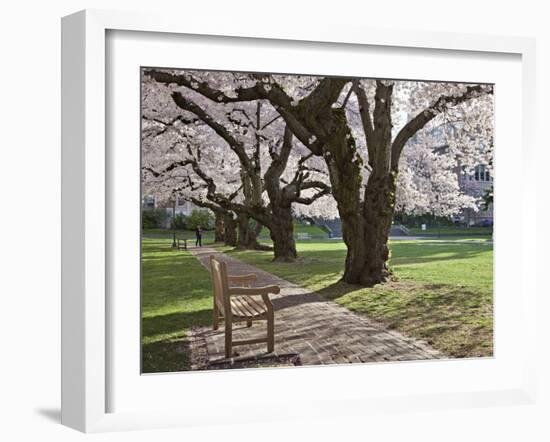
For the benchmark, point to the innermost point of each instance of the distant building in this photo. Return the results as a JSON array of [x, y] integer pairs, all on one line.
[[476, 185], [148, 202], [182, 207]]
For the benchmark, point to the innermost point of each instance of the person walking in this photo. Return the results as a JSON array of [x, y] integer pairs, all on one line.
[[198, 234]]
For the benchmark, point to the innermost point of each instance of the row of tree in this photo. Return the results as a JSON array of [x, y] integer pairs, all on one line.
[[258, 149]]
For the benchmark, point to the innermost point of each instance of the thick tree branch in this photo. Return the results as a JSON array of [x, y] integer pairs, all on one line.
[[382, 125], [364, 112], [324, 95], [301, 132], [258, 137], [278, 165], [241, 94], [310, 200], [316, 185]]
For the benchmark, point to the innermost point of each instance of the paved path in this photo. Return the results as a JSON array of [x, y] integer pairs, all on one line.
[[317, 330]]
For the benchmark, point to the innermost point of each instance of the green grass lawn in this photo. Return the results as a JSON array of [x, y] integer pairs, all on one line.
[[313, 231], [442, 292], [207, 235], [176, 296], [452, 230]]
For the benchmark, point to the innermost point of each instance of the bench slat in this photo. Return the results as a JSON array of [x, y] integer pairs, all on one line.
[[256, 305], [245, 306], [237, 309]]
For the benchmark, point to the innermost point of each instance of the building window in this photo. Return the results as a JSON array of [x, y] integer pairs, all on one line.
[[481, 173], [181, 201]]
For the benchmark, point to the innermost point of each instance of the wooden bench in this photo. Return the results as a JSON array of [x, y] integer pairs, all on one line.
[[240, 304], [182, 244]]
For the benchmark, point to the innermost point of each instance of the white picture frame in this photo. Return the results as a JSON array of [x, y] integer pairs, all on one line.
[[85, 201]]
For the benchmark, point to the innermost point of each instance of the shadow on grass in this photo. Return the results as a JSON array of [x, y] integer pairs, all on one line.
[[425, 258], [337, 290], [322, 255], [171, 351], [171, 323], [165, 356]]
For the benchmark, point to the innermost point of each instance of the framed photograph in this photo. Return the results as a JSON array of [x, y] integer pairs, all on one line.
[[309, 218]]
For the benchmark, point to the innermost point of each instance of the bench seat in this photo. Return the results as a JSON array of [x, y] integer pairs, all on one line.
[[247, 307]]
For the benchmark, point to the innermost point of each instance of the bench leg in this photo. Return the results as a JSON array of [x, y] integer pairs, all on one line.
[[270, 332], [249, 323], [215, 317], [228, 338]]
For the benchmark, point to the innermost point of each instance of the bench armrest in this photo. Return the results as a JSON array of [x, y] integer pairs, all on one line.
[[236, 279], [254, 291]]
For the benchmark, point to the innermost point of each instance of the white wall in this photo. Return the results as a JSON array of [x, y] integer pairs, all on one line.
[[30, 281]]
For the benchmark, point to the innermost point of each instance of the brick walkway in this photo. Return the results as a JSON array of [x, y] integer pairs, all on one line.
[[317, 330]]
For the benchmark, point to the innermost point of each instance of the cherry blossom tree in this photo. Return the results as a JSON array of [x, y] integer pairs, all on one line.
[[362, 154], [165, 132], [261, 143], [165, 174]]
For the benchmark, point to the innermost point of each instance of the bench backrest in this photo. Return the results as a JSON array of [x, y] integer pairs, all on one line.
[[220, 285]]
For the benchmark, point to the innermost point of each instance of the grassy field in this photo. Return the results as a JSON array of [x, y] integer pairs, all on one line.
[[176, 296], [452, 231], [442, 291], [207, 235], [312, 231]]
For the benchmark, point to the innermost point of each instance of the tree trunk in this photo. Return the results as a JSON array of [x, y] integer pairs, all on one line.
[[366, 232], [366, 225], [281, 230], [344, 165], [243, 228], [248, 233], [219, 227], [378, 214], [353, 231], [230, 230]]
